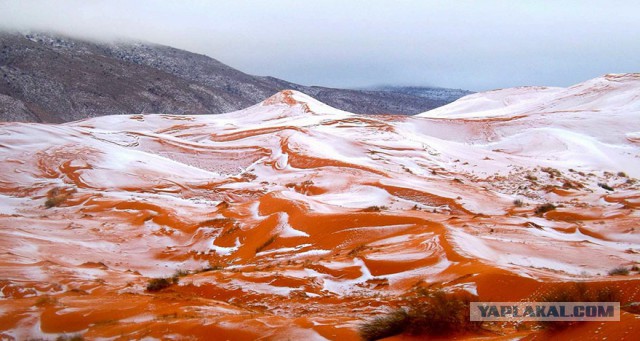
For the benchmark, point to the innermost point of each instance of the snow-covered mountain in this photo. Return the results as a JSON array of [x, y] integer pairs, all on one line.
[[443, 94], [291, 218], [50, 78]]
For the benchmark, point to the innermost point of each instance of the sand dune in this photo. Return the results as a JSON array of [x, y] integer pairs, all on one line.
[[292, 219]]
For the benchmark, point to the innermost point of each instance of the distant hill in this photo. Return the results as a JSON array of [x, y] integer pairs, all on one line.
[[432, 93], [49, 78]]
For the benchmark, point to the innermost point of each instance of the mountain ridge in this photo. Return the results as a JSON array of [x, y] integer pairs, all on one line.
[[51, 78]]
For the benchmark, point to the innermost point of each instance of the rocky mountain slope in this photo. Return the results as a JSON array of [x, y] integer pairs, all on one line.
[[46, 78], [442, 94], [293, 219]]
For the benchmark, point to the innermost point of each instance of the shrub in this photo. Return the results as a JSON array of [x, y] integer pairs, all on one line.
[[577, 292], [375, 208], [56, 196], [157, 284], [53, 202], [605, 186], [635, 268], [430, 313], [393, 323], [265, 244], [45, 300], [545, 208], [622, 174], [620, 270], [65, 337], [552, 172], [518, 203], [181, 273], [356, 250]]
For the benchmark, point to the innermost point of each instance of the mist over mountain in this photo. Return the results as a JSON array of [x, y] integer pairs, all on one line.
[[51, 78]]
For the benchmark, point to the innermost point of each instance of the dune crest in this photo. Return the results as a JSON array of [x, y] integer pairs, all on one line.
[[294, 219]]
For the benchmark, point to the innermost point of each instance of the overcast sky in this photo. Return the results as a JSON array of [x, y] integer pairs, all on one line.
[[475, 45]]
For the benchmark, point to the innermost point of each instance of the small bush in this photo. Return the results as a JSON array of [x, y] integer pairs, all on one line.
[[56, 196], [356, 250], [265, 244], [518, 203], [577, 292], [552, 172], [580, 292], [619, 271], [157, 284], [605, 186], [622, 174], [54, 202], [393, 323], [181, 273], [45, 300], [430, 313], [635, 268], [545, 208], [375, 208], [531, 177], [65, 337]]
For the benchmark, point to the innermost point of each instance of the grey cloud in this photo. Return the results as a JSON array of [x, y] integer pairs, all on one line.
[[464, 44]]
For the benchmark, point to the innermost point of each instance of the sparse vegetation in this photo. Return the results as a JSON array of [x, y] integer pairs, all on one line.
[[45, 300], [622, 174], [65, 337], [266, 244], [518, 203], [429, 313], [577, 292], [553, 173], [375, 208], [56, 196], [545, 208], [356, 250], [569, 184], [531, 177], [605, 186], [619, 271], [210, 268], [635, 268], [181, 273], [393, 323], [157, 284]]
